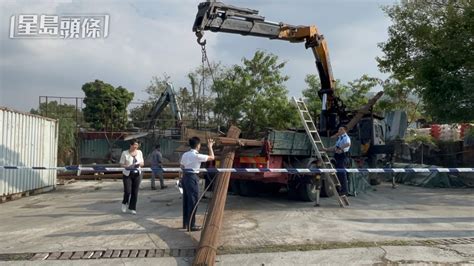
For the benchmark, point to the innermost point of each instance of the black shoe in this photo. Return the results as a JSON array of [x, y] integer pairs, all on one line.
[[196, 228], [164, 186], [153, 188]]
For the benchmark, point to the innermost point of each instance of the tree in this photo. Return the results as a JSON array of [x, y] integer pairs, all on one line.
[[201, 80], [353, 94], [430, 51], [398, 96], [106, 106], [66, 116], [253, 95], [313, 102], [186, 103], [139, 114]]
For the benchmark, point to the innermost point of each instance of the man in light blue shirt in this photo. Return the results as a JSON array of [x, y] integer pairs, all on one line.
[[343, 144], [156, 166]]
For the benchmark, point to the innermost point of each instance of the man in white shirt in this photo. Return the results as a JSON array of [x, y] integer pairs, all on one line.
[[190, 163], [343, 144]]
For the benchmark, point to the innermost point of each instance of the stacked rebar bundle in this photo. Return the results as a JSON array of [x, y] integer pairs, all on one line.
[[207, 249]]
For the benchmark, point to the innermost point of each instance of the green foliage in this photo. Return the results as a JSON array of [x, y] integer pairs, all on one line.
[[421, 139], [106, 106], [196, 103], [354, 94], [313, 102], [430, 51], [199, 100], [398, 96], [253, 95], [66, 115], [186, 103], [138, 115]]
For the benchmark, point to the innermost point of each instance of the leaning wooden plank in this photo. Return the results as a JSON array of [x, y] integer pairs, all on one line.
[[207, 248]]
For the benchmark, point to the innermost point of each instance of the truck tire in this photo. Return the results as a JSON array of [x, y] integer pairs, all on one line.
[[326, 190], [271, 188], [248, 188], [307, 191], [374, 179], [293, 193]]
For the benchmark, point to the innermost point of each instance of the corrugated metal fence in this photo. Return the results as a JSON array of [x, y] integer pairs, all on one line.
[[27, 140], [101, 151]]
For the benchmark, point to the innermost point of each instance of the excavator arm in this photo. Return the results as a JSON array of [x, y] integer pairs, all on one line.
[[219, 17], [167, 97]]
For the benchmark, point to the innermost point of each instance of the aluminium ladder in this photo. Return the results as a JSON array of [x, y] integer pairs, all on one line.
[[318, 147]]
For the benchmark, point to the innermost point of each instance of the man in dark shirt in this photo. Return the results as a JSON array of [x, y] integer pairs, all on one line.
[[156, 165]]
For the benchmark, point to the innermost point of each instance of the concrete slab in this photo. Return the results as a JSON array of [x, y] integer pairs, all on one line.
[[466, 250], [363, 256], [86, 216], [421, 254], [405, 213]]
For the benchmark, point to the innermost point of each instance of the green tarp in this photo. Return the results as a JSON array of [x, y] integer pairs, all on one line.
[[432, 180]]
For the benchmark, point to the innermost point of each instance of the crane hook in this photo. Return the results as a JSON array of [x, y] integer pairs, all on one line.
[[200, 35]]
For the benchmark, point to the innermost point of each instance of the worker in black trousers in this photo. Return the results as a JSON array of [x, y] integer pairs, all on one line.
[[343, 144], [191, 162], [131, 160]]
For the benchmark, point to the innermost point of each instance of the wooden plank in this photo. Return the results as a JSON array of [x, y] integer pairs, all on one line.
[[206, 254], [363, 110], [243, 142], [203, 135]]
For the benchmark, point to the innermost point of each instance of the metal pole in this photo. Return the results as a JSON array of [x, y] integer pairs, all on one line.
[[421, 153]]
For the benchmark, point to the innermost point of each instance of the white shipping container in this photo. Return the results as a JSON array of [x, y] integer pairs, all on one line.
[[27, 140]]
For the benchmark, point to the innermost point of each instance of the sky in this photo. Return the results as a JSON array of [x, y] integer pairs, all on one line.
[[153, 37]]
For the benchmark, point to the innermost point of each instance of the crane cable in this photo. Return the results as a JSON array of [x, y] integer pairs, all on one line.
[[204, 61]]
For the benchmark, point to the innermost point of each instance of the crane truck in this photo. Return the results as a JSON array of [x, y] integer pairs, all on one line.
[[292, 148]]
